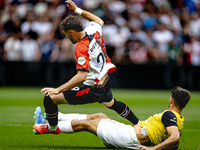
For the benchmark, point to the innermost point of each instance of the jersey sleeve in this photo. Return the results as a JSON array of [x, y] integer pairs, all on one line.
[[82, 58], [93, 27], [169, 119]]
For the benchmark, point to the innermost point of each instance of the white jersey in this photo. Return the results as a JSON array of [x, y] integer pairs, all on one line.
[[91, 53]]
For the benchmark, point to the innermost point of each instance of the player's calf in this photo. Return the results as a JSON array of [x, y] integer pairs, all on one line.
[[124, 111]]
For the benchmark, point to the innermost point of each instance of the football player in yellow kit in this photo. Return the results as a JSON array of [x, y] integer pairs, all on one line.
[[160, 131], [164, 129]]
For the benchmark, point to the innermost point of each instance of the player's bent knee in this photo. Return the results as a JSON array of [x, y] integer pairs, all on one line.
[[98, 115], [80, 125], [101, 115], [47, 99], [109, 104], [58, 99]]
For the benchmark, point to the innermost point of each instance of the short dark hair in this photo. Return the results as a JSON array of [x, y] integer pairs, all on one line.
[[71, 23], [181, 96]]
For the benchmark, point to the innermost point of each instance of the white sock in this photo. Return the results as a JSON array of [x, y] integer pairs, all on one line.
[[52, 128], [65, 126], [65, 117]]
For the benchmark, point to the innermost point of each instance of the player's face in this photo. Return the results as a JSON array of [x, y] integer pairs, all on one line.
[[70, 37]]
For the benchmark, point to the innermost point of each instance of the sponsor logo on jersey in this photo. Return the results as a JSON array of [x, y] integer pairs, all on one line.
[[81, 60], [94, 46]]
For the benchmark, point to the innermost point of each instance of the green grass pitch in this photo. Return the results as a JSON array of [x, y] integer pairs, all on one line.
[[17, 105]]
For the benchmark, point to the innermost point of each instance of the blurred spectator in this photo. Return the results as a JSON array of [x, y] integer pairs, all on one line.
[[190, 5], [44, 25], [3, 37], [194, 25], [56, 8], [100, 10], [162, 37], [17, 26], [31, 24], [174, 54], [7, 12], [139, 34], [138, 53], [41, 7], [154, 55], [135, 22], [23, 8], [149, 20], [88, 4], [66, 51], [47, 46], [9, 25], [171, 21], [12, 47], [116, 6], [116, 37], [192, 52], [148, 40], [29, 49]]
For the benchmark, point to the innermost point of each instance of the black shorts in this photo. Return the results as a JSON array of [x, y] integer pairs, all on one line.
[[84, 94]]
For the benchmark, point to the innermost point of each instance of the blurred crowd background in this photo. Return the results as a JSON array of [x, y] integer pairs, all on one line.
[[135, 31]]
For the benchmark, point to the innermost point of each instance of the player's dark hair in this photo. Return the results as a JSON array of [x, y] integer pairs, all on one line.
[[71, 23], [181, 96]]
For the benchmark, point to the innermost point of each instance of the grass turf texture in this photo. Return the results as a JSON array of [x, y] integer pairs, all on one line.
[[17, 105]]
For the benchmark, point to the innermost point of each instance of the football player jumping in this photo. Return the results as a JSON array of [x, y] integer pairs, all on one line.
[[91, 83]]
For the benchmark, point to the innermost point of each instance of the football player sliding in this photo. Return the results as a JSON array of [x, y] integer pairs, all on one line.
[[159, 131]]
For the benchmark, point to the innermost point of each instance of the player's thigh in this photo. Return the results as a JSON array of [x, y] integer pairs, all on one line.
[[93, 124], [85, 125], [58, 99], [79, 95]]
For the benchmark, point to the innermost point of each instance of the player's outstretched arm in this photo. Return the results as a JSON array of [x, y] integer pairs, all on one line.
[[171, 142], [79, 78], [87, 15]]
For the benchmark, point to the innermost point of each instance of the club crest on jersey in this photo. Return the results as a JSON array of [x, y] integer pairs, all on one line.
[[81, 60]]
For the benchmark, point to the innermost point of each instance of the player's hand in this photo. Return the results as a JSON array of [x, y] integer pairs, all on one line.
[[49, 91], [71, 5], [141, 147]]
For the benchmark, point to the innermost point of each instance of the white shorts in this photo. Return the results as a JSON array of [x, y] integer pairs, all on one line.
[[117, 135]]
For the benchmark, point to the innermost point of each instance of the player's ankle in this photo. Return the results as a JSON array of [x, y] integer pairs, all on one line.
[[52, 128]]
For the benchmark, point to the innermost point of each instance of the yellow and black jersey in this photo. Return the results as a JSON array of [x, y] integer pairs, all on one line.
[[156, 125]]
